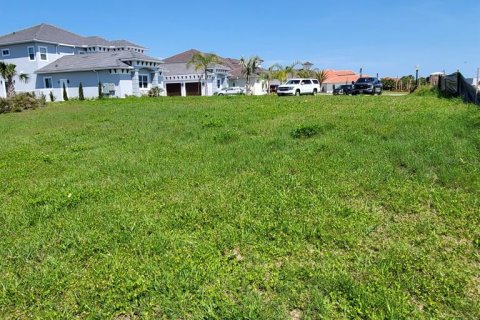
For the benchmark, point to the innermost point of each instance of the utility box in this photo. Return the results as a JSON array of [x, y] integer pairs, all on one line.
[[108, 89]]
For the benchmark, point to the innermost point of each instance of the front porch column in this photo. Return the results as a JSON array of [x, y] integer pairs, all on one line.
[[183, 89], [155, 78], [135, 83]]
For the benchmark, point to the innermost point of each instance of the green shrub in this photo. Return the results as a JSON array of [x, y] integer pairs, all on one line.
[[308, 131], [155, 92], [81, 97], [52, 97], [426, 91], [43, 99], [65, 95], [304, 132], [100, 94], [4, 105], [20, 102]]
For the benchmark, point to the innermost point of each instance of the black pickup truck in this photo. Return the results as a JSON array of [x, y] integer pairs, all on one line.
[[367, 85]]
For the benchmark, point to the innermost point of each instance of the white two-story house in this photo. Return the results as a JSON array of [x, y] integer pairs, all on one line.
[[53, 58]]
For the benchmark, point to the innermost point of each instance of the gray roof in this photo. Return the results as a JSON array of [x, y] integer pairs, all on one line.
[[96, 41], [177, 64], [124, 43], [51, 34], [181, 68], [173, 69], [95, 61]]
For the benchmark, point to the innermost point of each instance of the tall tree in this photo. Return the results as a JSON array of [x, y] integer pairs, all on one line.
[[249, 68], [8, 72], [283, 73], [291, 70], [278, 72], [305, 73], [203, 62]]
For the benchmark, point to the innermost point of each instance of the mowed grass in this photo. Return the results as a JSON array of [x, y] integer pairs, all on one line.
[[241, 208]]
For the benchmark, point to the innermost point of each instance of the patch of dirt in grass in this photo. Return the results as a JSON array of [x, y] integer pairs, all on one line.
[[296, 314], [419, 305], [473, 289], [235, 254]]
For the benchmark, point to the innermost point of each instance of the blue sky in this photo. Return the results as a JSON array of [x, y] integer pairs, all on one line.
[[388, 37]]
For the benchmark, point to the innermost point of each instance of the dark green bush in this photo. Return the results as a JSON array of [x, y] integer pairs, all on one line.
[[304, 132], [65, 95], [100, 93], [308, 131], [81, 97], [155, 92]]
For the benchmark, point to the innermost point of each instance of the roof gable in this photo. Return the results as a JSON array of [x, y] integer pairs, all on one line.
[[183, 57], [95, 61]]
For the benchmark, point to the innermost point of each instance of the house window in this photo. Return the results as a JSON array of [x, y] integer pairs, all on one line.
[[218, 83], [31, 53], [43, 53], [48, 82], [5, 52], [143, 81]]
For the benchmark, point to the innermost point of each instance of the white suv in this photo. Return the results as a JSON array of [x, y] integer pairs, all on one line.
[[298, 87]]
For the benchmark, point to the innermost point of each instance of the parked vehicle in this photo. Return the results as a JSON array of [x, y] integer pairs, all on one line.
[[343, 89], [367, 85], [299, 87], [233, 91], [274, 88]]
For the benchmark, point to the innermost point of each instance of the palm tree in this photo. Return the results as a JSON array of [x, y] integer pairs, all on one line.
[[290, 70], [278, 72], [321, 76], [304, 73], [7, 72], [284, 73], [201, 61], [249, 68]]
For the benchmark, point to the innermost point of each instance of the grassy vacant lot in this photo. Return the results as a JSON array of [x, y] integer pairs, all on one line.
[[241, 208]]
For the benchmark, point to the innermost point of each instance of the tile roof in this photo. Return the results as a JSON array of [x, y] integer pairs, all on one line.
[[341, 76], [95, 61], [51, 34]]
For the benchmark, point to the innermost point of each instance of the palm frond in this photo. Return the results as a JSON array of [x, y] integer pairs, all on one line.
[[24, 77]]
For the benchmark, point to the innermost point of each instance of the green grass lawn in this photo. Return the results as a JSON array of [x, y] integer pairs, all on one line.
[[241, 208]]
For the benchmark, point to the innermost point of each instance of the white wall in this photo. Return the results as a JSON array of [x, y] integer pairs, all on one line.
[[89, 80], [256, 85]]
